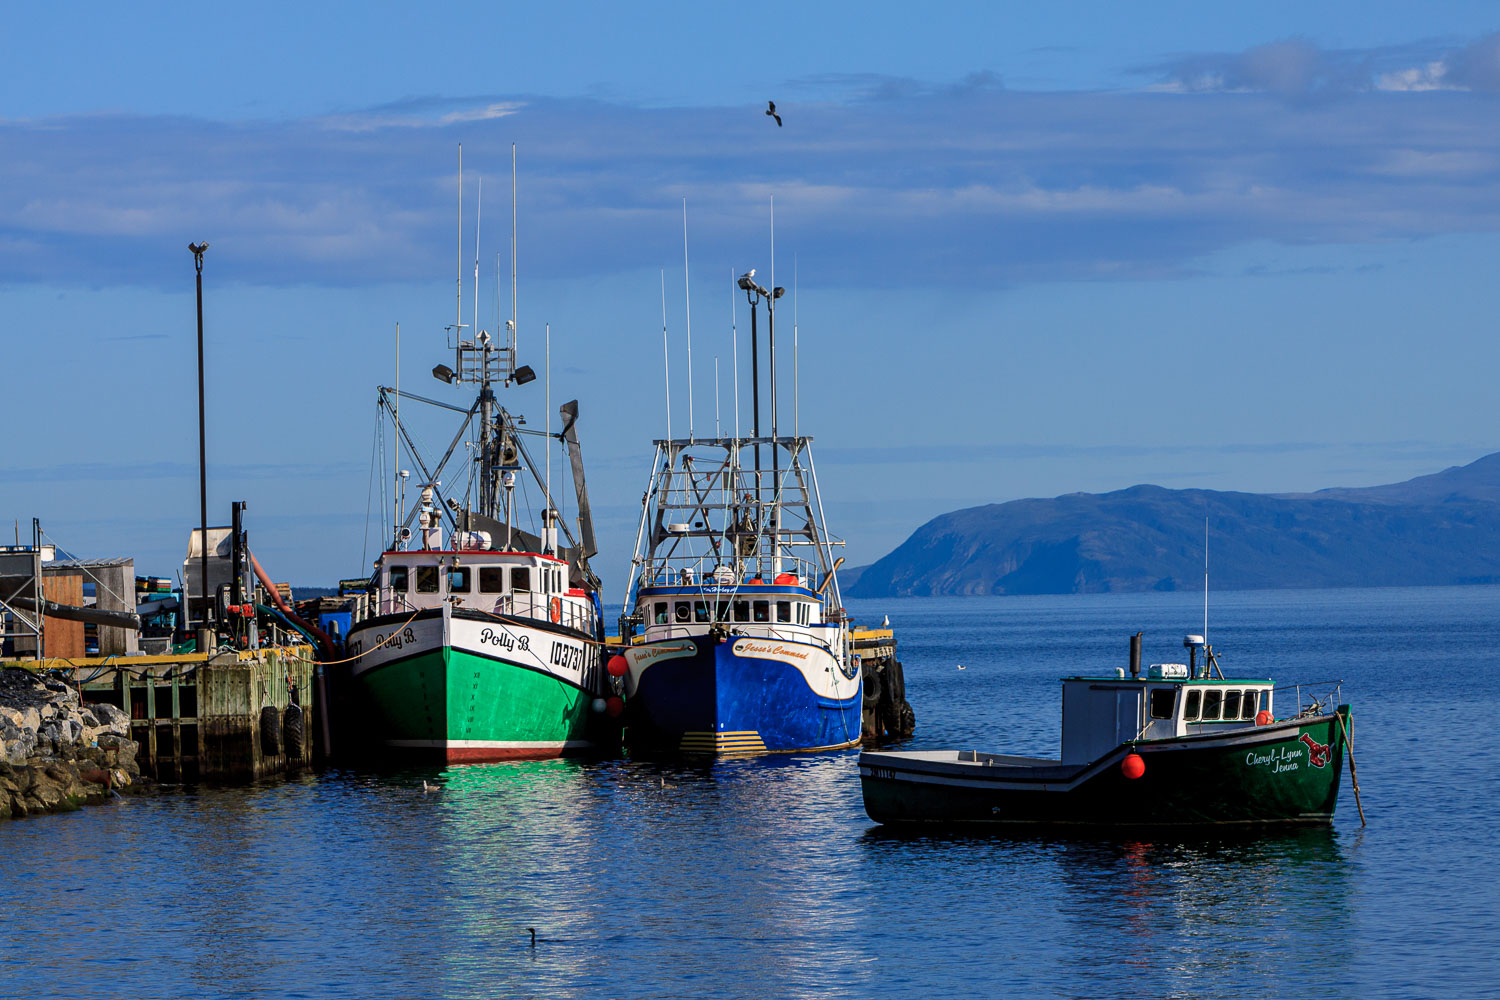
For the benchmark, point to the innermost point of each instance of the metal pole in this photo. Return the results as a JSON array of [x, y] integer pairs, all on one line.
[[775, 447], [755, 393], [197, 249]]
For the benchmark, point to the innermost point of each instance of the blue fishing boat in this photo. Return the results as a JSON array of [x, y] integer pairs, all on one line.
[[734, 636]]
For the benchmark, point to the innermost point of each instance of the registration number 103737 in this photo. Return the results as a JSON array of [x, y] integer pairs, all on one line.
[[566, 654]]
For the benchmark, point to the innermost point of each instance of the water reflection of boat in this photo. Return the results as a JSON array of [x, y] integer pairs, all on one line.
[[1177, 747]]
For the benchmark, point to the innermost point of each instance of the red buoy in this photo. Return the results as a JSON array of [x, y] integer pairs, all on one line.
[[617, 666], [614, 706], [1133, 766], [1263, 718]]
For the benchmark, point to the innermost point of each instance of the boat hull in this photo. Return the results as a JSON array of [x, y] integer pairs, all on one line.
[[1284, 773], [697, 694], [468, 690]]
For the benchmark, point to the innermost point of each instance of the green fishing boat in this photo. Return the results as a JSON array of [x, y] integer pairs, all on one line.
[[1173, 747], [481, 640]]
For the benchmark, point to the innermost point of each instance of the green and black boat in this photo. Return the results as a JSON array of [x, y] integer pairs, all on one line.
[[1177, 747]]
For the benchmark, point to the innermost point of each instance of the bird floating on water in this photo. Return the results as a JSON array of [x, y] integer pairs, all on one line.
[[961, 666], [771, 110], [430, 789]]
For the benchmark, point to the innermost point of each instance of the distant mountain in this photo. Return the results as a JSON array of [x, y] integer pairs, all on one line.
[[1437, 529]]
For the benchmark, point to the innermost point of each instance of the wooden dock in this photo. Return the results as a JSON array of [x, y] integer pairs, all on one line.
[[220, 716]]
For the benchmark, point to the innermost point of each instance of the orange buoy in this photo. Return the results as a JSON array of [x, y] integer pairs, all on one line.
[[1133, 766], [617, 666], [1263, 718]]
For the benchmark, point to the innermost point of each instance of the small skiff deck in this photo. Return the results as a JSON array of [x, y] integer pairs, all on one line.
[[994, 765]]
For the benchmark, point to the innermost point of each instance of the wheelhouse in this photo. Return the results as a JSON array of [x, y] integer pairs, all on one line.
[[1100, 713], [519, 584]]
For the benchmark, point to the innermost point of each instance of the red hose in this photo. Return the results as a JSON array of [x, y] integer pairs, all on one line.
[[329, 646]]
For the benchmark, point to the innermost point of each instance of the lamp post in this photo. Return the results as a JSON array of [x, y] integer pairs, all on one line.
[[197, 250]]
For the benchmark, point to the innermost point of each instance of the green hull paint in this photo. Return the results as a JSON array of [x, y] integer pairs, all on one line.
[[1270, 781], [458, 706]]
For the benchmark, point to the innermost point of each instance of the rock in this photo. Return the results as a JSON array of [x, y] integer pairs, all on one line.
[[111, 718], [88, 718]]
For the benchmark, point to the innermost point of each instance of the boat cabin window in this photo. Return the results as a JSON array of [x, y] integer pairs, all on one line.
[[427, 579], [722, 611], [700, 611], [1190, 709], [741, 611], [398, 579], [762, 611], [520, 578], [1251, 705], [683, 612], [492, 579], [1212, 702], [661, 613], [1231, 705], [1163, 701], [458, 580], [783, 611]]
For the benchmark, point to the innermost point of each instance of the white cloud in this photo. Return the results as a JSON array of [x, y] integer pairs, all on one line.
[[969, 184]]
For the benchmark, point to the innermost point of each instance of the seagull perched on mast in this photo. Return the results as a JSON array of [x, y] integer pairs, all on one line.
[[771, 110]]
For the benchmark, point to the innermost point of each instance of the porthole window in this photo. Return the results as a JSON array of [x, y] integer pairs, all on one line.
[[683, 612]]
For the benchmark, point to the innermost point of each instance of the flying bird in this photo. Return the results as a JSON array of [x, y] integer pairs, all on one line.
[[771, 110]]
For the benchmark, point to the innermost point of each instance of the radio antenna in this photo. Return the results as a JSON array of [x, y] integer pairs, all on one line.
[[478, 212], [666, 356], [734, 347], [687, 294]]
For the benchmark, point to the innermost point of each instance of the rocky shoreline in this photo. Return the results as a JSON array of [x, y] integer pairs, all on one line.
[[56, 753]]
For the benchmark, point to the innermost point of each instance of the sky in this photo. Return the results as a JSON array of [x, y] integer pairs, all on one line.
[[1030, 249]]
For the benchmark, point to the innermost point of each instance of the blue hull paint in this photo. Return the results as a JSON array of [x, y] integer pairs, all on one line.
[[715, 691]]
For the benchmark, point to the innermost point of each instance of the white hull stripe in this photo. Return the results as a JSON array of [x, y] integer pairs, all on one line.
[[489, 744]]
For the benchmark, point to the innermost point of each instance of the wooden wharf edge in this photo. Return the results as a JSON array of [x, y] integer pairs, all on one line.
[[198, 716]]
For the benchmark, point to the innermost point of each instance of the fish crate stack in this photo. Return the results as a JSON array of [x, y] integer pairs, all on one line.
[[887, 715]]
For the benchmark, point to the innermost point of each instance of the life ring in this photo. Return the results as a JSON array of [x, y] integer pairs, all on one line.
[[556, 610]]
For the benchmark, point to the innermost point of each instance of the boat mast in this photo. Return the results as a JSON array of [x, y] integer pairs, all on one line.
[[775, 442]]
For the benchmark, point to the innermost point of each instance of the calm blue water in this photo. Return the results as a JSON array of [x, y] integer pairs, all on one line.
[[760, 878]]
